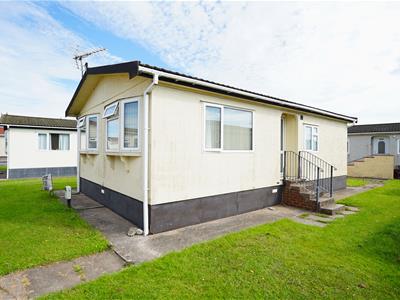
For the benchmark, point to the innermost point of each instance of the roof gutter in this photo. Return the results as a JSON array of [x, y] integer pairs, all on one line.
[[147, 70], [38, 126]]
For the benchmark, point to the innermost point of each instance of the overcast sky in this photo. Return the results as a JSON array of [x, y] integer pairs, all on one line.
[[340, 56]]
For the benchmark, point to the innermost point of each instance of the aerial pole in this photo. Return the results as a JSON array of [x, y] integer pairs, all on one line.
[[79, 59]]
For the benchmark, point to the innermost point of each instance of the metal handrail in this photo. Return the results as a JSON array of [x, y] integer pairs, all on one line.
[[308, 168], [317, 158]]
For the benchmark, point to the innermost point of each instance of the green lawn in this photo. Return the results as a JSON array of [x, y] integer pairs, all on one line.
[[354, 257], [36, 229], [3, 168], [355, 182]]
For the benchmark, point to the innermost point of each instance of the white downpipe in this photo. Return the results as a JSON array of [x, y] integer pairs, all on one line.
[[8, 151], [78, 162], [146, 153]]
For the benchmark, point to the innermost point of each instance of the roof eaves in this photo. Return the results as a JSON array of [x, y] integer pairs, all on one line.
[[128, 67], [250, 95]]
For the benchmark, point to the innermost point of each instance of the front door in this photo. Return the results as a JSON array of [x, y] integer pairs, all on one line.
[[282, 145]]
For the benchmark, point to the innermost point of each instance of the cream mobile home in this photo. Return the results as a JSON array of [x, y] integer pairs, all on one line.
[[38, 146], [166, 150]]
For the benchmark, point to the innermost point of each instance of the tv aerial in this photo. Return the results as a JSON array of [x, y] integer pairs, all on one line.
[[79, 58]]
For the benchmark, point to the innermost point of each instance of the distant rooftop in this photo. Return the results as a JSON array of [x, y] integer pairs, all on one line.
[[385, 127], [27, 121]]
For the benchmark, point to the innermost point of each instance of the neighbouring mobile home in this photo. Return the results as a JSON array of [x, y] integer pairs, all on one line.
[[373, 150], [37, 146], [167, 150]]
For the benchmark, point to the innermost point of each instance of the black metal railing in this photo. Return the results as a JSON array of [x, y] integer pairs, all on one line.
[[310, 171], [326, 180]]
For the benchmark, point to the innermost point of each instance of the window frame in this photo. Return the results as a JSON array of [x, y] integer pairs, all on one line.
[[398, 146], [114, 111], [122, 147], [312, 126], [47, 141], [69, 141], [81, 122], [87, 133], [222, 107]]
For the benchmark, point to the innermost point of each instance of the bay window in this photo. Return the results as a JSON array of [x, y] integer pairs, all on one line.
[[311, 140], [227, 128], [122, 128]]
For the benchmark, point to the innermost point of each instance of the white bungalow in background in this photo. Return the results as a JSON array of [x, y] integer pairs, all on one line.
[[37, 146], [167, 150]]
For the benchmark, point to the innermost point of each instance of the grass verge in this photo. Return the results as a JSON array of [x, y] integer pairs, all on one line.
[[36, 229], [354, 257]]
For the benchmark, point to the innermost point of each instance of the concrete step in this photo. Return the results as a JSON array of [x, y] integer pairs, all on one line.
[[332, 209], [326, 201]]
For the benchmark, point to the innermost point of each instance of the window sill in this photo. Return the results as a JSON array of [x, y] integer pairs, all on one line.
[[123, 153], [89, 152]]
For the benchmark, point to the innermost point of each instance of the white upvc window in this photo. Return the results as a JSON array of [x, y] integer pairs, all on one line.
[[111, 110], [111, 114], [54, 141], [82, 134], [398, 146], [92, 125], [42, 139], [227, 128], [130, 124], [311, 138]]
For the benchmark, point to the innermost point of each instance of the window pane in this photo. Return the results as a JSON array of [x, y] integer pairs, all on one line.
[[131, 125], [307, 137], [64, 142], [112, 134], [237, 129], [315, 143], [42, 141], [213, 127], [54, 139], [92, 132], [83, 138]]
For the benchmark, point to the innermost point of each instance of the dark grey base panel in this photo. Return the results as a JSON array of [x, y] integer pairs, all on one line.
[[178, 214], [39, 172], [339, 182], [168, 216], [127, 207]]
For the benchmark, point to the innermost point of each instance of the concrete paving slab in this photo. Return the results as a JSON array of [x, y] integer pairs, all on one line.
[[38, 281], [307, 221], [350, 191]]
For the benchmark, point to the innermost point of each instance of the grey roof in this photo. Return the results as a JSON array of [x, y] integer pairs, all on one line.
[[132, 68], [387, 127], [26, 121]]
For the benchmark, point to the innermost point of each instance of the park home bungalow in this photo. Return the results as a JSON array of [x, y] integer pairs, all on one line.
[[37, 146], [166, 150]]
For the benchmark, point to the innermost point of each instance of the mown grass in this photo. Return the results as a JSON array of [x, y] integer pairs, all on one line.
[[3, 168], [354, 257], [36, 229], [356, 182]]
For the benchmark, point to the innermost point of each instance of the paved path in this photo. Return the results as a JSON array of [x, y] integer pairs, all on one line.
[[38, 281], [137, 249]]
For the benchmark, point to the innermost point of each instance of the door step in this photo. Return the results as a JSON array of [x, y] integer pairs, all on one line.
[[332, 209]]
